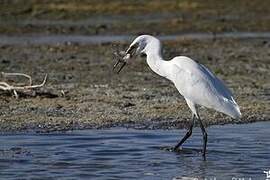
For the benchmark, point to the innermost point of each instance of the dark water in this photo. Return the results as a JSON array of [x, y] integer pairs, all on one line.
[[234, 151], [96, 39]]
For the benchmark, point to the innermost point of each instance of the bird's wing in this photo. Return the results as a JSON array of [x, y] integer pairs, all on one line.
[[197, 84]]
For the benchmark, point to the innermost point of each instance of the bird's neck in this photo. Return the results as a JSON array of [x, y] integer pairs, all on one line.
[[157, 64]]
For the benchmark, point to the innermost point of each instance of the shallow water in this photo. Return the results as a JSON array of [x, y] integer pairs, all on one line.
[[240, 151], [96, 39]]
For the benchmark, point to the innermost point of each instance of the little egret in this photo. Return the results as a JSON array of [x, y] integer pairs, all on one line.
[[197, 84]]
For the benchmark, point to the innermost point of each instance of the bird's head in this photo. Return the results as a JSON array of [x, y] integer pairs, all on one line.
[[141, 45]]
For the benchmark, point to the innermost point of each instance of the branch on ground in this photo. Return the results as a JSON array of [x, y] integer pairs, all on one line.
[[4, 86]]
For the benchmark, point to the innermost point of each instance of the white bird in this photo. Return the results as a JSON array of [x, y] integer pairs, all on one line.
[[197, 84]]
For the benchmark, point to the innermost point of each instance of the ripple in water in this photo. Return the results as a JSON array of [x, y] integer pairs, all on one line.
[[240, 151]]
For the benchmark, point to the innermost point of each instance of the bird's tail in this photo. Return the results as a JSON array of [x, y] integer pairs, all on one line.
[[237, 113], [232, 109]]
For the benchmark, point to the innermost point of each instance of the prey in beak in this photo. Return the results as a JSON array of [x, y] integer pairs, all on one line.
[[122, 58]]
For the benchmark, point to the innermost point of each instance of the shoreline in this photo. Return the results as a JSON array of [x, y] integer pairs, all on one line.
[[139, 127]]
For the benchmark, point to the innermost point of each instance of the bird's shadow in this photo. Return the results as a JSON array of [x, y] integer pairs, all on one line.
[[180, 150], [187, 151]]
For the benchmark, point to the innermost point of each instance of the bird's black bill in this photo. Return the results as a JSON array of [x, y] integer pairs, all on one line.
[[119, 61], [132, 50]]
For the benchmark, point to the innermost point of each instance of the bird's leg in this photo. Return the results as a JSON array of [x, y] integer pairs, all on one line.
[[188, 134], [204, 136]]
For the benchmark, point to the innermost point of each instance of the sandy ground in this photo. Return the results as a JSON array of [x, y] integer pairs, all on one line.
[[95, 97]]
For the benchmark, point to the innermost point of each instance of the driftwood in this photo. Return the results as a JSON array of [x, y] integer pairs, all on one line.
[[4, 86]]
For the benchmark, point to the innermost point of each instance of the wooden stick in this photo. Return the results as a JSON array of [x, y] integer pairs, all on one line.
[[6, 87], [18, 74]]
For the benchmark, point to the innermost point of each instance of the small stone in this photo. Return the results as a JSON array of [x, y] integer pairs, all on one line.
[[128, 104]]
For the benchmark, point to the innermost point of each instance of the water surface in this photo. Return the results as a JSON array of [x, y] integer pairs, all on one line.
[[96, 39], [240, 151]]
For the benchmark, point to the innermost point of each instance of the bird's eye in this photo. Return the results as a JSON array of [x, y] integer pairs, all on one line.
[[142, 55]]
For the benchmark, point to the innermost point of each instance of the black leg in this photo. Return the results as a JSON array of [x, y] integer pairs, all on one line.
[[188, 134], [204, 136]]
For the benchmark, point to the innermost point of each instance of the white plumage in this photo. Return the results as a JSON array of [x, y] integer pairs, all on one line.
[[197, 84]]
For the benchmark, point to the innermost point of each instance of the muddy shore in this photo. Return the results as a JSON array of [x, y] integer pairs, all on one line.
[[96, 97]]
